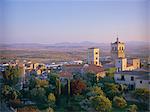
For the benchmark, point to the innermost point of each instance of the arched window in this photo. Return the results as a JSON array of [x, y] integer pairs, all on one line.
[[119, 48]]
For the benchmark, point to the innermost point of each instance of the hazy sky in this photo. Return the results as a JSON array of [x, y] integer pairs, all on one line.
[[54, 21]]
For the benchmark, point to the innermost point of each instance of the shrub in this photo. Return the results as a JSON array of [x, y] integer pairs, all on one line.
[[119, 102]]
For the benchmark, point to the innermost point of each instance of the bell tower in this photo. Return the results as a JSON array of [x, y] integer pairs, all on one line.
[[117, 49], [93, 56]]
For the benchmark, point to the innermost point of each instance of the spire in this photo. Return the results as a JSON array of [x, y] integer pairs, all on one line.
[[117, 39]]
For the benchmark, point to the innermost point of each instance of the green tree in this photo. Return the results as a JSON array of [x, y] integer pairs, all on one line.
[[119, 102], [10, 93], [49, 109], [94, 91], [11, 75], [38, 94], [143, 96], [32, 82], [91, 78], [111, 90], [6, 90], [53, 82], [52, 78], [101, 103], [51, 100], [41, 83], [132, 108]]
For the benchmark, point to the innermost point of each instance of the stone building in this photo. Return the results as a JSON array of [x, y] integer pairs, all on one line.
[[93, 56], [117, 50], [133, 79], [122, 64], [119, 59]]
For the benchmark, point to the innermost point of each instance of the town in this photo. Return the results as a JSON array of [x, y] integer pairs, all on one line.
[[114, 83]]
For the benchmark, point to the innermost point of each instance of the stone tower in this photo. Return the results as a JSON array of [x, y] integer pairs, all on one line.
[[93, 56], [117, 50]]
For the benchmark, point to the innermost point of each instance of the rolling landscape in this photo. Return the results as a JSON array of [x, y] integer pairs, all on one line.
[[65, 51]]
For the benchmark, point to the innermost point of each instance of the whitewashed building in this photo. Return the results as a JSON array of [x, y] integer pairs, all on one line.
[[133, 79]]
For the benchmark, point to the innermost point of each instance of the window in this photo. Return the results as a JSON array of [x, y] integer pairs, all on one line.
[[122, 48], [96, 58], [122, 77], [132, 78], [141, 82], [119, 48], [131, 87], [96, 53], [96, 62]]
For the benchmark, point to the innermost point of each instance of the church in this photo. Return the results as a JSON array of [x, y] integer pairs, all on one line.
[[119, 58]]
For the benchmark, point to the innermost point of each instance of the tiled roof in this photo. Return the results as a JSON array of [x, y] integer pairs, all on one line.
[[93, 68], [74, 65], [65, 74], [139, 74]]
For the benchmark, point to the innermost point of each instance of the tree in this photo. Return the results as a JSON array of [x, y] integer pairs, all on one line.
[[49, 109], [143, 96], [38, 94], [77, 86], [52, 78], [32, 82], [107, 79], [85, 104], [91, 78], [111, 90], [94, 91], [28, 109], [101, 103], [119, 102], [132, 108], [41, 83], [6, 90], [51, 100], [11, 75], [10, 93], [58, 85], [53, 81], [73, 104], [110, 72]]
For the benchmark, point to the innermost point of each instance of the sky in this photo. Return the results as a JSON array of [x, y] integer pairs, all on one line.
[[56, 21]]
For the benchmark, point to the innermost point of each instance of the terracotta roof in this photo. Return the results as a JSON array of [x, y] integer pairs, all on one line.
[[65, 74], [93, 68], [74, 65]]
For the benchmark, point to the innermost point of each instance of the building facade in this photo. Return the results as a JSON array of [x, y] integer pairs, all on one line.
[[122, 64], [133, 79], [93, 56], [117, 50]]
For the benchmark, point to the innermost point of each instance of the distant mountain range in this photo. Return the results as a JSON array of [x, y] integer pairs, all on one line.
[[69, 44]]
